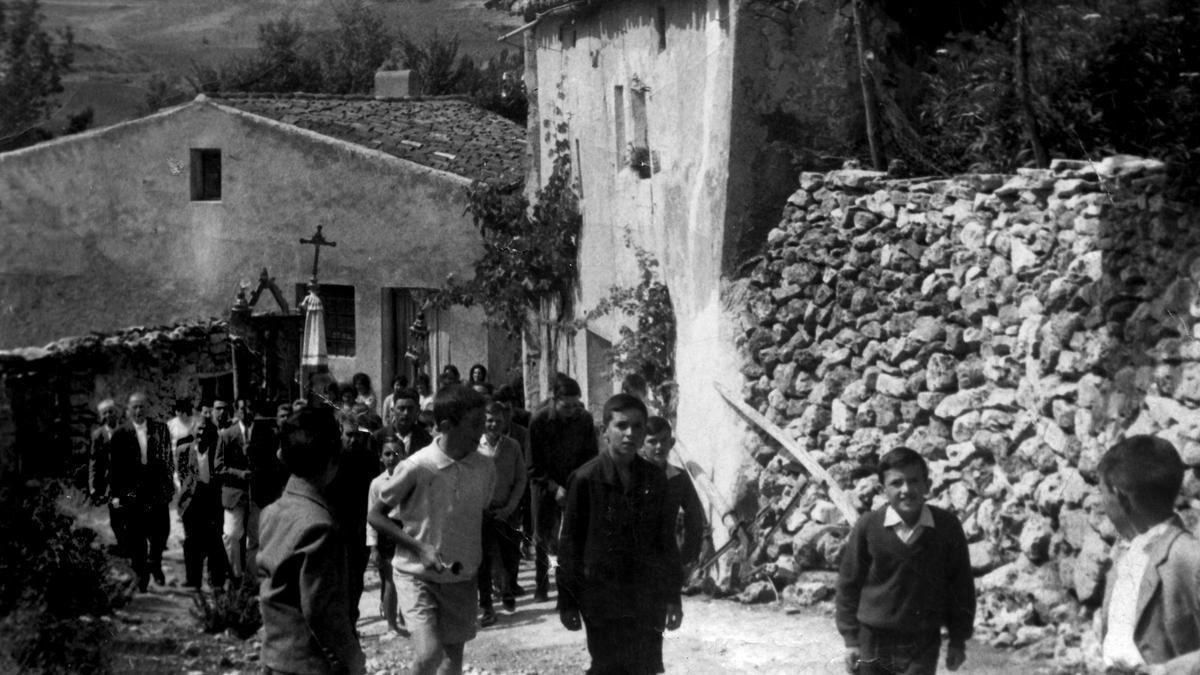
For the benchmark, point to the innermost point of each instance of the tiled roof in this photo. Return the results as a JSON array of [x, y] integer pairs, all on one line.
[[441, 132]]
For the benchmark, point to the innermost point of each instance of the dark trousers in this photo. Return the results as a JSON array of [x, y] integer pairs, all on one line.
[[119, 519], [546, 516], [202, 538], [884, 652], [357, 556], [623, 646], [149, 525], [502, 540]]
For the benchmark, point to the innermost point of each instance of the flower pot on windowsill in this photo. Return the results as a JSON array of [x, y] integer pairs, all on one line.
[[639, 161]]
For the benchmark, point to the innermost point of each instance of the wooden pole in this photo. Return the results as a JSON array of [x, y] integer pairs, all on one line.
[[840, 498], [867, 80]]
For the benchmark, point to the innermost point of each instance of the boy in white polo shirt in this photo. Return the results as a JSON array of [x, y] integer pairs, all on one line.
[[439, 494]]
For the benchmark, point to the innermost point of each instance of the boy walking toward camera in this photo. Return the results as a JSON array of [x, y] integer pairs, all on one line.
[[619, 572], [439, 494], [305, 584], [905, 574], [501, 519], [1151, 615]]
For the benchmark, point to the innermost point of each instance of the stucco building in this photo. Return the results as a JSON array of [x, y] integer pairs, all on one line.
[[686, 122], [159, 219]]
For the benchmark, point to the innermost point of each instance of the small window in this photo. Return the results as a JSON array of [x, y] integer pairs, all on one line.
[[660, 23], [338, 303], [619, 124], [640, 158], [206, 175]]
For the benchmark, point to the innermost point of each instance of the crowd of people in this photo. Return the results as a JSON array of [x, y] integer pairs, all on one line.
[[447, 490]]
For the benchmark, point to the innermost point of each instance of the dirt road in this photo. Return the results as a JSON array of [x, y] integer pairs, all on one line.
[[157, 634]]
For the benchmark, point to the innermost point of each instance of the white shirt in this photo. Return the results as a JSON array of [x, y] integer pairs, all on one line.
[[1119, 649], [141, 436], [892, 519]]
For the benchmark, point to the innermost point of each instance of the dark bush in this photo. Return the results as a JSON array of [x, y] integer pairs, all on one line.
[[54, 583], [235, 610]]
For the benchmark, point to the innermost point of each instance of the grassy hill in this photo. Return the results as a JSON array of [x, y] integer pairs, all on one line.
[[121, 44]]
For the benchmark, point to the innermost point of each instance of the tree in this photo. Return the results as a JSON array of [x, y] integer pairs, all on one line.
[[348, 57], [32, 62]]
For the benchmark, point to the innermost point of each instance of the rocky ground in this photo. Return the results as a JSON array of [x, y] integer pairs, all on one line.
[[157, 633]]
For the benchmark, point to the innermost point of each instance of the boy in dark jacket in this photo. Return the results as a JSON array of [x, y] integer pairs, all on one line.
[[619, 567], [905, 574], [304, 595]]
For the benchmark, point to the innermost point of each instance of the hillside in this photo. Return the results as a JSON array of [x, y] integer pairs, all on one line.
[[120, 44]]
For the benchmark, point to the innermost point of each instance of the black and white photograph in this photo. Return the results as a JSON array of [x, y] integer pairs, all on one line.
[[620, 337]]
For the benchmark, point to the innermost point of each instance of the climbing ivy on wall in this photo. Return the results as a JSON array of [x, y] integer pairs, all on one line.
[[531, 248], [647, 342]]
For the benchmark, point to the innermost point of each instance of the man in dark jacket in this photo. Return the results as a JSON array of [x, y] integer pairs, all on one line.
[[619, 572], [404, 428], [562, 437], [141, 484], [200, 503]]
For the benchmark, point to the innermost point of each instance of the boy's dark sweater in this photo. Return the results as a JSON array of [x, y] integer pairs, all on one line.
[[908, 588]]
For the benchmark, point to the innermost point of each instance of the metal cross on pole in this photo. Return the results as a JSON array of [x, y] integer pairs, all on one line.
[[318, 240]]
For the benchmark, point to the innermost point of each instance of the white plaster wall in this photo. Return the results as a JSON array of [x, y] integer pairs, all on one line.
[[678, 214], [97, 231]]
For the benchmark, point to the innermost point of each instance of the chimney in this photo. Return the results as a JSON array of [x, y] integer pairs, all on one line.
[[397, 84]]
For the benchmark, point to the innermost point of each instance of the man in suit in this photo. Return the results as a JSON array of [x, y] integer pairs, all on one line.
[[99, 462], [200, 503], [232, 467], [141, 484], [404, 429]]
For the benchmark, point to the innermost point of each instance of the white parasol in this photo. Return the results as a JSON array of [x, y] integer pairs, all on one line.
[[312, 349]]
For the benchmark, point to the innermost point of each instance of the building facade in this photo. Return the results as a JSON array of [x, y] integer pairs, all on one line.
[[160, 219], [683, 119]]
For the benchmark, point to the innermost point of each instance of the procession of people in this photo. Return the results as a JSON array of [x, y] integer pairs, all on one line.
[[449, 492]]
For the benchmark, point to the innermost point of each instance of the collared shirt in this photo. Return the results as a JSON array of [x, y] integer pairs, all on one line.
[[441, 501], [1119, 649], [907, 534], [203, 474], [143, 442], [372, 499]]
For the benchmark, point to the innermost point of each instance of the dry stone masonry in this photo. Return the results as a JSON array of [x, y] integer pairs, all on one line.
[[1008, 328], [48, 395]]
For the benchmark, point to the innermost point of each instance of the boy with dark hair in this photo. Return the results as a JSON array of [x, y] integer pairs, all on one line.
[[304, 594], [905, 573], [619, 568], [681, 493], [562, 437], [501, 519], [439, 494], [384, 547], [1151, 615]]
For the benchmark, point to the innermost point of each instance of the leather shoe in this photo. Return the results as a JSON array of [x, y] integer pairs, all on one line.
[[488, 618], [159, 577]]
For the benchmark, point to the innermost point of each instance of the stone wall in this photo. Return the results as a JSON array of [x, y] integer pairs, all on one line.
[[1008, 328], [49, 395]]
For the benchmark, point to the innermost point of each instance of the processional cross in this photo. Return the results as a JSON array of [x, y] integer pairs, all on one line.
[[318, 240]]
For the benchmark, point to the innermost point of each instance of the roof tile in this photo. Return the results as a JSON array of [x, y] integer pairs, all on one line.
[[482, 145]]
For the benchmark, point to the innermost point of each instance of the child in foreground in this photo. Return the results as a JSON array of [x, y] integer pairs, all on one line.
[[619, 573], [905, 574], [385, 548], [439, 494], [305, 585], [1151, 615]]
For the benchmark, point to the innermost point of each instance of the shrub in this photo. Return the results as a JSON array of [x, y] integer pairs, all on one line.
[[54, 581], [235, 610]]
